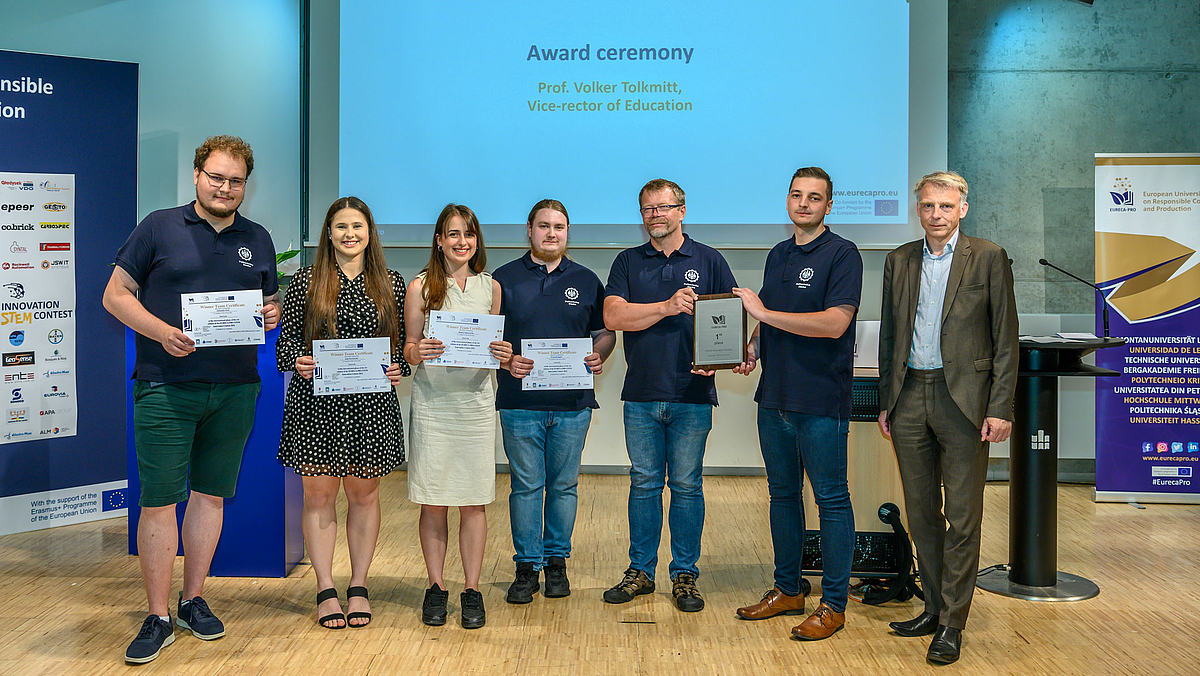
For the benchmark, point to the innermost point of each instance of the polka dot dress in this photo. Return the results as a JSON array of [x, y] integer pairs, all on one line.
[[339, 434]]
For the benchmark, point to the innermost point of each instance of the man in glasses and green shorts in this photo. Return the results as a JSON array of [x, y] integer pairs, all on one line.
[[193, 408]]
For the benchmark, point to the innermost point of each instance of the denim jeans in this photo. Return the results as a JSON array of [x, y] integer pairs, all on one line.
[[794, 444], [543, 449], [665, 442]]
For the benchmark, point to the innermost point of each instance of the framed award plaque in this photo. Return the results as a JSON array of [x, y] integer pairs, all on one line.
[[719, 340]]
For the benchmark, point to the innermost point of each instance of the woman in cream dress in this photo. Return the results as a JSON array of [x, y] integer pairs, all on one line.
[[452, 450]]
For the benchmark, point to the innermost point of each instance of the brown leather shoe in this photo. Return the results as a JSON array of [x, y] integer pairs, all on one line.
[[773, 603], [821, 624]]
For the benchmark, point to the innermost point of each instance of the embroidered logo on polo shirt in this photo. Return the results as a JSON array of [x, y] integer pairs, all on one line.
[[572, 295], [246, 256], [805, 276], [691, 277]]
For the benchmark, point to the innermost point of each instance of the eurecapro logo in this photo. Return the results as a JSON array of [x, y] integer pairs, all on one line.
[[1122, 196], [1122, 192]]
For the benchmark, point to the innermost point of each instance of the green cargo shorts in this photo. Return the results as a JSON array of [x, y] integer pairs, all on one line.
[[190, 435]]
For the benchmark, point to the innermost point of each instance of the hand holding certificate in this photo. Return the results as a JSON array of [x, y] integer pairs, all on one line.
[[466, 338], [558, 364], [224, 318], [351, 365]]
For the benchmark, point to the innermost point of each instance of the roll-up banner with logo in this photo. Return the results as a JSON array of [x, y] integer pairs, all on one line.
[[68, 198], [1147, 237]]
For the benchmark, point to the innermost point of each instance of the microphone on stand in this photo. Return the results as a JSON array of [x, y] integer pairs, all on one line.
[[1103, 300]]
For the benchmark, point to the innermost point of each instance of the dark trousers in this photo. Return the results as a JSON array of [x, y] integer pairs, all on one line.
[[936, 447]]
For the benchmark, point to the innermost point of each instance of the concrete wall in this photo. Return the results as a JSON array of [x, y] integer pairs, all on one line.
[[1035, 89], [1038, 87]]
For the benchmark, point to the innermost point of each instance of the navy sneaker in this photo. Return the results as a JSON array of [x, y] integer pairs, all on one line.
[[196, 616], [154, 635]]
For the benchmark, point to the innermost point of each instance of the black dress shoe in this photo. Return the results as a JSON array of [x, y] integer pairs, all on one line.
[[947, 641], [921, 625]]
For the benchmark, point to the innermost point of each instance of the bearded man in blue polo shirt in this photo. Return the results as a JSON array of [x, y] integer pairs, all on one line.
[[805, 338], [192, 409], [652, 292], [544, 294]]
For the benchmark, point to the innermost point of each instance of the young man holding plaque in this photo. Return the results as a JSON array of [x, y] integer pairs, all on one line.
[[545, 295], [652, 292], [805, 337], [192, 409]]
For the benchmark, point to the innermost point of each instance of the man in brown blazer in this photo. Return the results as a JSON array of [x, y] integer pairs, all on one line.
[[947, 372]]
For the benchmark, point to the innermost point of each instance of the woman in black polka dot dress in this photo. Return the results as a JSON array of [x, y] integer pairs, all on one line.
[[342, 440]]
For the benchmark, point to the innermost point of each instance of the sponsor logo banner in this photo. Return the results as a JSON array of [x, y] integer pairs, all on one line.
[[37, 305]]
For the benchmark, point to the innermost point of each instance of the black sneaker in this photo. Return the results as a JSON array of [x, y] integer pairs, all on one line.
[[635, 583], [154, 635], [433, 610], [196, 616], [687, 597], [525, 586], [472, 613], [557, 584]]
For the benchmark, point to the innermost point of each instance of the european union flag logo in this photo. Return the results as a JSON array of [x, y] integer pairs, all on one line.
[[114, 499], [887, 207]]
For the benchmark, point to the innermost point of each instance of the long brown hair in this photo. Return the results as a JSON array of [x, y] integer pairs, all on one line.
[[320, 310], [434, 287]]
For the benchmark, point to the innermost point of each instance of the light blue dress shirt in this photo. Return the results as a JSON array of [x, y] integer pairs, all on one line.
[[926, 350]]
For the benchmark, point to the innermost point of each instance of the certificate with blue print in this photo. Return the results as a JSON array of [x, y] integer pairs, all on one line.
[[352, 365], [224, 318], [466, 338], [557, 364]]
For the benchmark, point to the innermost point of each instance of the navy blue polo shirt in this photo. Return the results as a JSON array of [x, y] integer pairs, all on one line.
[[799, 373], [567, 302], [174, 251], [659, 359]]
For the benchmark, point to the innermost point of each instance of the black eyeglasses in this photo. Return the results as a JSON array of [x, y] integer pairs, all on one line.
[[216, 181], [661, 208]]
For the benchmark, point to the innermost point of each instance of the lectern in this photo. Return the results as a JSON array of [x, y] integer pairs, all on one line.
[[1032, 572], [261, 536]]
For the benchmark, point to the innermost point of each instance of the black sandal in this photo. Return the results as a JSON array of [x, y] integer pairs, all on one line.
[[323, 596], [350, 593]]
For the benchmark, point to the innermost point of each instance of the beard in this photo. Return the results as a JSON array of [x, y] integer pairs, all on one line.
[[216, 209], [546, 256], [658, 230]]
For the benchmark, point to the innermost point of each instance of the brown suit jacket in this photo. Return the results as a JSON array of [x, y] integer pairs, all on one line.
[[979, 327]]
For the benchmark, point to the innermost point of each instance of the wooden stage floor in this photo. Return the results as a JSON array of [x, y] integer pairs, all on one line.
[[71, 599]]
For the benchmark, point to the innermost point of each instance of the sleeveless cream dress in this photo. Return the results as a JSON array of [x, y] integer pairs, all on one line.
[[452, 448]]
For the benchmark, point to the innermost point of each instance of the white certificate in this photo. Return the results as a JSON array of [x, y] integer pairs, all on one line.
[[352, 365], [466, 338], [557, 364], [224, 318]]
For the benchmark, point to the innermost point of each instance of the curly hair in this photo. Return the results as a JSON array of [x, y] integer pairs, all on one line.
[[232, 145]]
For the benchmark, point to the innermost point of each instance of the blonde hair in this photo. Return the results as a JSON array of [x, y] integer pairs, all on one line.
[[943, 179], [661, 184]]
